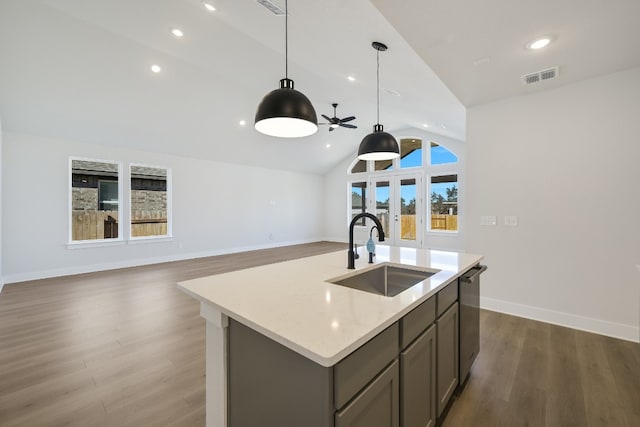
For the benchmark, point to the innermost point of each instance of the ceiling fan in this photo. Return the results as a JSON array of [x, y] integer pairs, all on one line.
[[334, 121]]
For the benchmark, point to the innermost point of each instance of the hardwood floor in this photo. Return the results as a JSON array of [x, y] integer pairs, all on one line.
[[531, 373], [116, 348], [126, 348]]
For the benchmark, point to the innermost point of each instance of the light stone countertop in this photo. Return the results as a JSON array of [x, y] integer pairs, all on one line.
[[292, 303]]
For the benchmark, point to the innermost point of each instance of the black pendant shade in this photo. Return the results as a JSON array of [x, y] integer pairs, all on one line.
[[286, 113], [378, 145]]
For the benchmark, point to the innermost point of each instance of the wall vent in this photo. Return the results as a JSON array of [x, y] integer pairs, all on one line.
[[276, 10], [538, 76]]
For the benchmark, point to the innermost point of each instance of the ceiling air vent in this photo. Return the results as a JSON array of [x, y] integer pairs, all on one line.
[[549, 73], [276, 10]]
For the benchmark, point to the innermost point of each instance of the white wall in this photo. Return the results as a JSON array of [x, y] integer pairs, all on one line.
[[336, 194], [567, 163], [217, 208], [1, 180]]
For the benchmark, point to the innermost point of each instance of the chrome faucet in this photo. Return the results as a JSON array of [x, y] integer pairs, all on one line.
[[351, 256]]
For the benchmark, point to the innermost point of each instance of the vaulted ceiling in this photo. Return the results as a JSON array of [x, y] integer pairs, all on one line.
[[79, 69]]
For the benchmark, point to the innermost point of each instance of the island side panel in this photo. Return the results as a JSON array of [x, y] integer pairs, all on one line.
[[271, 385], [216, 365]]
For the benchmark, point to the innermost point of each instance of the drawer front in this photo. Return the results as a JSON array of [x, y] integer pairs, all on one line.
[[377, 405], [446, 297], [356, 370], [419, 319]]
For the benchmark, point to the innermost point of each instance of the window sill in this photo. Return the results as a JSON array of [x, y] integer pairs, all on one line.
[[85, 244], [443, 233], [149, 239]]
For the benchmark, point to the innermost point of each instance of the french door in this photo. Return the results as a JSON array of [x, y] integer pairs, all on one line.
[[398, 203]]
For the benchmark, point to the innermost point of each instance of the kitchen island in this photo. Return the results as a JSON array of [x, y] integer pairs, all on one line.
[[298, 313]]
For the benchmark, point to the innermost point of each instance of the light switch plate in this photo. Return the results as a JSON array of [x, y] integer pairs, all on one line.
[[511, 221], [488, 220]]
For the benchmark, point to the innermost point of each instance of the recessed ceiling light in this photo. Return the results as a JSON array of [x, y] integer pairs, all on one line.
[[177, 32], [539, 43], [208, 6], [425, 125], [242, 122], [351, 78], [328, 145], [155, 68]]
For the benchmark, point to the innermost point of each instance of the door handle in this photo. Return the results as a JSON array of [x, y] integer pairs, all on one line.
[[478, 270]]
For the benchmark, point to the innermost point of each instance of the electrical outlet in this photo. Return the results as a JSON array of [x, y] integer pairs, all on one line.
[[488, 220], [511, 221]]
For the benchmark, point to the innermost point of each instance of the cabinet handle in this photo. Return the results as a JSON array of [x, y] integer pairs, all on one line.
[[478, 271]]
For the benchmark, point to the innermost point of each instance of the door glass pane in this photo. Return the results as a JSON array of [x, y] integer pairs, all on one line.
[[410, 153], [408, 209], [444, 202], [382, 204], [358, 200]]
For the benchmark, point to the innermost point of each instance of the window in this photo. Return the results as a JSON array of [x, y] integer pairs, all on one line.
[[383, 165], [441, 156], [150, 201], [359, 166], [444, 203], [358, 200], [410, 153], [95, 200]]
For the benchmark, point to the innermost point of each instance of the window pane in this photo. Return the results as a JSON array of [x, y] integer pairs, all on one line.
[[94, 200], [410, 153], [444, 202], [408, 209], [360, 166], [358, 200], [440, 155], [382, 203], [383, 165], [149, 206]]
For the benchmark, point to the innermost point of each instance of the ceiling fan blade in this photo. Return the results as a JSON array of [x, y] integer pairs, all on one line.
[[347, 119], [326, 118], [346, 125]]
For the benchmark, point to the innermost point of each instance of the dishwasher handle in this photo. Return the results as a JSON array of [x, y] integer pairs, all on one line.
[[479, 269]]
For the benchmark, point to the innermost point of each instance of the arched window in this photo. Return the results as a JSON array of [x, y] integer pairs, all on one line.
[[441, 156], [433, 169]]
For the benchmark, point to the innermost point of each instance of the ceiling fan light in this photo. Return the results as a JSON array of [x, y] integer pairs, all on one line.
[[286, 113], [378, 145]]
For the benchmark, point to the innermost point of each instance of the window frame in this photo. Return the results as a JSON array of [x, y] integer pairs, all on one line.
[[94, 242], [437, 173], [169, 235]]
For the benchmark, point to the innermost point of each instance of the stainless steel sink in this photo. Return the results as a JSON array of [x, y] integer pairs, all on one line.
[[384, 280]]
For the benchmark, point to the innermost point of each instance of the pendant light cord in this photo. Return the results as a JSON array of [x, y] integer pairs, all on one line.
[[378, 84], [286, 39]]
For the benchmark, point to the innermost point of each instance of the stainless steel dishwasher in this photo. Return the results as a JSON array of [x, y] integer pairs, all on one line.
[[469, 319]]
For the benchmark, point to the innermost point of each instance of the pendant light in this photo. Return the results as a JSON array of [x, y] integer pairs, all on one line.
[[285, 112], [378, 145]]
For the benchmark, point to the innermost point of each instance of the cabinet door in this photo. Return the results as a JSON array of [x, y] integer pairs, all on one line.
[[448, 355], [418, 373], [377, 405]]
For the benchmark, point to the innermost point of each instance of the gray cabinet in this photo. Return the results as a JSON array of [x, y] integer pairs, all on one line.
[[418, 381], [404, 376], [448, 355], [377, 405]]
